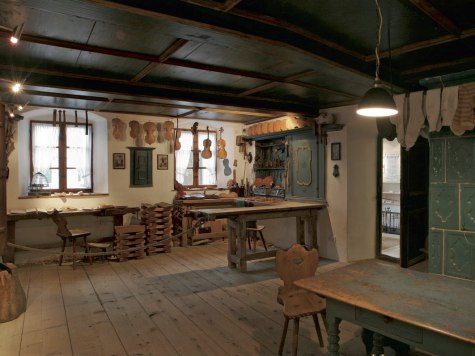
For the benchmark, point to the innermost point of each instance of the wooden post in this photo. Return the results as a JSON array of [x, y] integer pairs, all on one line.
[[3, 182]]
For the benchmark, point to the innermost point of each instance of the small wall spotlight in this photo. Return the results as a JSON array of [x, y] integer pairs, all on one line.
[[16, 87], [17, 31]]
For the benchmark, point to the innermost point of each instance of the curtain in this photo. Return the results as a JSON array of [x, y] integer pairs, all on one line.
[[79, 157], [183, 157], [207, 175], [45, 142]]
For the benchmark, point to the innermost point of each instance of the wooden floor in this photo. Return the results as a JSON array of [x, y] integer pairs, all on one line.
[[187, 302]]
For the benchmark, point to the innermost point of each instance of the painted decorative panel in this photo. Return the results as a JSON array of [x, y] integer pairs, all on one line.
[[460, 160], [435, 251], [437, 161], [467, 214], [443, 206], [459, 249]]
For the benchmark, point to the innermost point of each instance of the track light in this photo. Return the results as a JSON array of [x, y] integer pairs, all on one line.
[[377, 102], [16, 87], [16, 34]]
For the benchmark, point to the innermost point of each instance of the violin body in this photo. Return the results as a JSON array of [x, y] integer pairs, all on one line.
[[227, 169], [149, 128], [222, 154], [206, 153], [168, 134], [160, 137]]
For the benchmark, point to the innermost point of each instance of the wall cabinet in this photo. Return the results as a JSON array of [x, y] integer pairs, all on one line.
[[294, 161], [141, 166]]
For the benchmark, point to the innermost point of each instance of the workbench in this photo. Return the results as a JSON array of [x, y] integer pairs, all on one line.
[[182, 216], [432, 312], [306, 224], [116, 212]]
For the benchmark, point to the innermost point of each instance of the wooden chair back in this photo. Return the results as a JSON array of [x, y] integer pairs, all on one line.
[[61, 223], [296, 263]]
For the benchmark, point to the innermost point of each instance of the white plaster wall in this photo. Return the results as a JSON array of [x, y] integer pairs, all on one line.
[[116, 186]]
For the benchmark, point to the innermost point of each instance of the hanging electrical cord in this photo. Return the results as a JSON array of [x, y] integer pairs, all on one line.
[[378, 39]]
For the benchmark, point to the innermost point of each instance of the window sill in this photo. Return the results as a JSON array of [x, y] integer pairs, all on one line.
[[64, 195]]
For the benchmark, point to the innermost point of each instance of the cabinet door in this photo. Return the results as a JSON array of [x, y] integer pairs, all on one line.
[[307, 166], [141, 167]]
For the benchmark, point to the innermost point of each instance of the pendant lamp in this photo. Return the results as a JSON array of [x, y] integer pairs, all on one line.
[[377, 102]]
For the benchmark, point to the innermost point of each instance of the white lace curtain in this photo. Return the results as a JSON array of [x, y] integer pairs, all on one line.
[[45, 155]]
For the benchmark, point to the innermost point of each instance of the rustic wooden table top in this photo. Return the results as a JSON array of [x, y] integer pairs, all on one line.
[[442, 304]]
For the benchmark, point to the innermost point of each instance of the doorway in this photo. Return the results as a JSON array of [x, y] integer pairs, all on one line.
[[403, 187], [390, 200]]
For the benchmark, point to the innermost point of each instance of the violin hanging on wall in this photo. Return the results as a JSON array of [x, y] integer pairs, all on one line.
[[168, 134], [206, 153], [222, 154]]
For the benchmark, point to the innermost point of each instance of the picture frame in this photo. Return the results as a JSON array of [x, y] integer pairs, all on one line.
[[162, 162], [118, 160], [336, 151]]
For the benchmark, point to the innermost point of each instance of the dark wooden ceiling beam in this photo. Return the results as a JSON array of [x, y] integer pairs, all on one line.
[[423, 44], [269, 20], [259, 88], [152, 59], [167, 53], [258, 29], [437, 16], [135, 87], [229, 4], [430, 67]]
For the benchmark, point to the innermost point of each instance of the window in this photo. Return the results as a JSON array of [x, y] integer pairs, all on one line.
[[192, 170], [63, 153]]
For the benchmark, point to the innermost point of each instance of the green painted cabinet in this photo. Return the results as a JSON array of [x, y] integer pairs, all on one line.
[[141, 166]]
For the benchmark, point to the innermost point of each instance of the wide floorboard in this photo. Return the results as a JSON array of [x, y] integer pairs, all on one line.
[[187, 302]]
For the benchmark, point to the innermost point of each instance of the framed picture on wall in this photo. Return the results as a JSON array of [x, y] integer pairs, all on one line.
[[162, 162], [118, 160], [336, 151]]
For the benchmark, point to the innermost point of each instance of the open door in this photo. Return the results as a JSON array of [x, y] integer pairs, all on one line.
[[414, 202], [403, 183]]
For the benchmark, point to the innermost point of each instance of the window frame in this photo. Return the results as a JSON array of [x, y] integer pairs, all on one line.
[[196, 160], [62, 155]]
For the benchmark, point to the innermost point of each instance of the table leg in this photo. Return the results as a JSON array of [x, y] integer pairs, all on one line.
[[377, 344], [312, 229], [242, 249], [300, 232], [10, 251], [231, 242], [334, 336]]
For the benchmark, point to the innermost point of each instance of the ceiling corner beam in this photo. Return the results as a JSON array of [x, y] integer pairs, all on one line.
[[443, 21], [229, 4], [167, 53]]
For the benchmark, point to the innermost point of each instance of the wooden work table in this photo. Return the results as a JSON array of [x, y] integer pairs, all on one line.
[[432, 312], [304, 212], [117, 212]]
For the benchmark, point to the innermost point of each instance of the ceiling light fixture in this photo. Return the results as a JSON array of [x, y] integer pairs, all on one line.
[[16, 87], [16, 34], [377, 102]]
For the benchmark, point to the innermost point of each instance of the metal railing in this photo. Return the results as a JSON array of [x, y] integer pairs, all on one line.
[[390, 222]]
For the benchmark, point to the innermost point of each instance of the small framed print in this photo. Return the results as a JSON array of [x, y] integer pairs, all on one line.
[[162, 162], [118, 160], [336, 151]]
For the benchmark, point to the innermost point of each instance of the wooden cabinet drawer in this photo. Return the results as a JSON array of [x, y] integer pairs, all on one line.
[[394, 327]]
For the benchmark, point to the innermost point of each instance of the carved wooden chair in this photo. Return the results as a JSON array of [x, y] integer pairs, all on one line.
[[293, 264], [70, 235], [254, 233]]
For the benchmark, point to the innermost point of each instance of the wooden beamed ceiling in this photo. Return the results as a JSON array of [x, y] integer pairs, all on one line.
[[246, 60]]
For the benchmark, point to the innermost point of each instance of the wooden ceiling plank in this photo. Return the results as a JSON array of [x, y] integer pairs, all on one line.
[[144, 71], [300, 75], [434, 13], [239, 112], [329, 52], [230, 4], [261, 87], [185, 114], [323, 89], [429, 67], [170, 116], [423, 44], [65, 95], [151, 103]]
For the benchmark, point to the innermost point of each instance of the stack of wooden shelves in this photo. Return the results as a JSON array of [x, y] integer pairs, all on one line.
[[157, 219], [127, 237]]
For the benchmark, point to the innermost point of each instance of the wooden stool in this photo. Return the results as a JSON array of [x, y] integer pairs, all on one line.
[[102, 246], [252, 234]]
